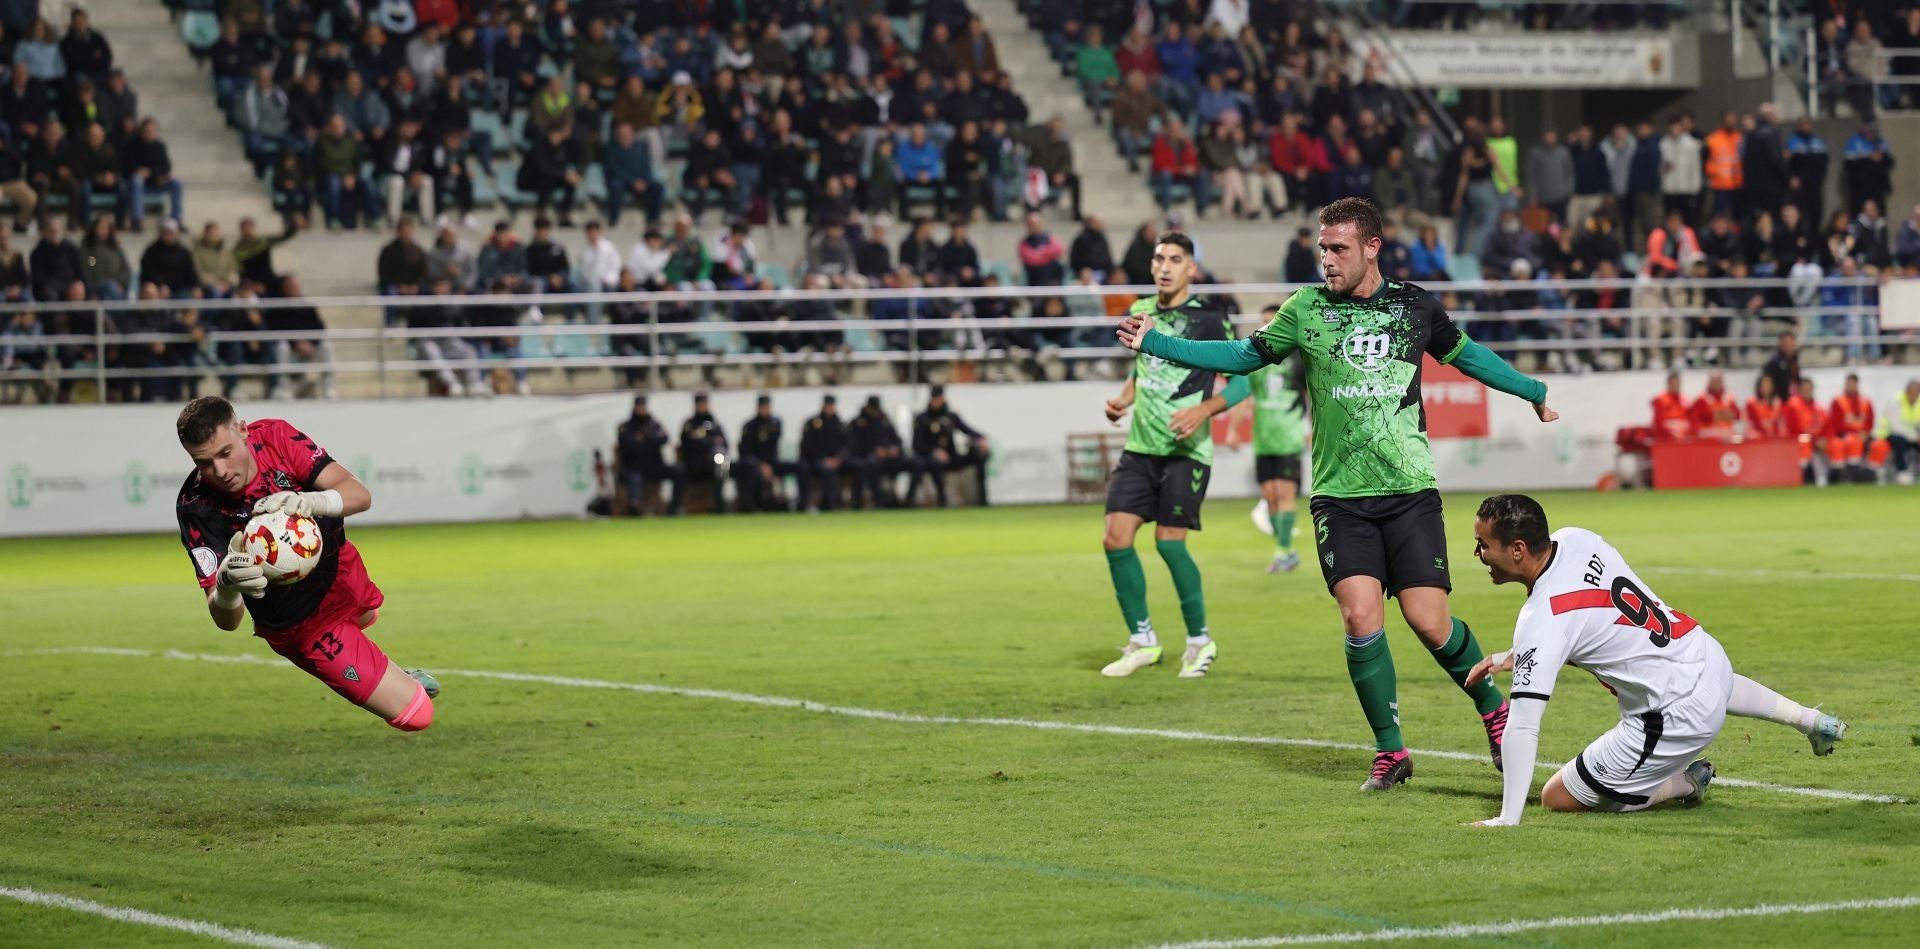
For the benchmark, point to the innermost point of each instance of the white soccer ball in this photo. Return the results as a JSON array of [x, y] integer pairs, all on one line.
[[286, 546]]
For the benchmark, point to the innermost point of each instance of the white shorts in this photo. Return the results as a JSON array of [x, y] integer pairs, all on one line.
[[1622, 767]]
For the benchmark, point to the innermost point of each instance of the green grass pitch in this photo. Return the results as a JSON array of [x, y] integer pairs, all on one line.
[[535, 813]]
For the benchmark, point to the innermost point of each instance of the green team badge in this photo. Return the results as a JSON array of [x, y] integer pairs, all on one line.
[[352, 674], [1178, 510], [19, 487], [469, 475], [579, 472], [134, 483], [1439, 563]]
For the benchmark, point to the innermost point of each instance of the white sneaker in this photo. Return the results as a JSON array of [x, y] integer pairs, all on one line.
[[1198, 660], [1133, 657], [1824, 734]]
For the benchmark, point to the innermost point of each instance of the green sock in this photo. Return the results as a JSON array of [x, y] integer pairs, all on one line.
[[1130, 588], [1370, 666], [1460, 654], [1282, 530], [1186, 582]]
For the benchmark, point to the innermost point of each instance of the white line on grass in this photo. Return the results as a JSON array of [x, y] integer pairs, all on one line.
[[1467, 930], [239, 937], [910, 718], [1808, 575]]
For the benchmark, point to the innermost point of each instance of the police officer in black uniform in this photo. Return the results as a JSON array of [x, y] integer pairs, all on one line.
[[875, 451], [641, 452], [936, 451], [703, 450], [823, 452], [758, 472]]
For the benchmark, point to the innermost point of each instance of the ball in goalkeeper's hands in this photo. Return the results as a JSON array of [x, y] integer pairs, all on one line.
[[286, 546]]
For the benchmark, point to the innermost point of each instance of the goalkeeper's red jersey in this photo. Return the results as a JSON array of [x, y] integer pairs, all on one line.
[[287, 461]]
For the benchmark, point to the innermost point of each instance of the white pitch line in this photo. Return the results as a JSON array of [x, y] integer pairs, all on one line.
[[910, 718], [1468, 930], [1807, 575], [238, 937]]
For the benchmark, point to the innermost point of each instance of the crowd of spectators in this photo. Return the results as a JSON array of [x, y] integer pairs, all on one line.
[[842, 463], [71, 133], [1866, 54], [759, 111], [206, 266]]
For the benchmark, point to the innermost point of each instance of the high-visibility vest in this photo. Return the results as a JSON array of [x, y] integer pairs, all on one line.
[[1723, 161], [1909, 413]]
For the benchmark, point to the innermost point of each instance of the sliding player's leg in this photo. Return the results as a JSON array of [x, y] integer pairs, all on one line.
[[1415, 538], [1750, 699], [1652, 758]]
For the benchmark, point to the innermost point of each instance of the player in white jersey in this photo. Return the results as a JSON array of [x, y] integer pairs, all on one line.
[[1588, 610]]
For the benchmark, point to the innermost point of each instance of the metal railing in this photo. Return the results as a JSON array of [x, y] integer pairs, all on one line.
[[1653, 316]]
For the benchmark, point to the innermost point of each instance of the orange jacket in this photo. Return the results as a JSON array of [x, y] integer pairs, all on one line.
[[1714, 416], [1765, 419], [1724, 172], [1670, 416], [1665, 250], [1851, 416], [1804, 419]]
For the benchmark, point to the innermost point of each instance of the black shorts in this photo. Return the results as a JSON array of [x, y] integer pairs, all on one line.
[[1398, 539], [1159, 488], [1277, 468]]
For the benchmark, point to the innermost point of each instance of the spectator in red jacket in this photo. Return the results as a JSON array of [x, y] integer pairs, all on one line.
[[1302, 162], [1176, 161], [1668, 245], [1670, 419], [1765, 416], [1850, 426], [1714, 413], [1808, 425]]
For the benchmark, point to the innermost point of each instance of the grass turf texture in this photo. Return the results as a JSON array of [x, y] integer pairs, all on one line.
[[250, 796]]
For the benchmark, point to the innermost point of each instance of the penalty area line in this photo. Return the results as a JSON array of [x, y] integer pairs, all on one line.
[[140, 917], [1512, 927], [911, 718]]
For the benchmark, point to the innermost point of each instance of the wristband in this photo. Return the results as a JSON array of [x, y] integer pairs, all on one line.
[[326, 503], [226, 598]]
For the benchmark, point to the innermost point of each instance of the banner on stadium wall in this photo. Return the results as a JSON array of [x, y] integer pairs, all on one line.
[[1527, 61], [117, 469], [1900, 305]]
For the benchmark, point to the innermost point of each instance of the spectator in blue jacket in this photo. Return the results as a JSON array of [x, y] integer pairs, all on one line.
[[1643, 207], [918, 158], [1179, 69], [628, 169]]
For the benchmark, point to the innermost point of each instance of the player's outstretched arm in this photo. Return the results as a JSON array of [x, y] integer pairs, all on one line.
[[338, 494], [1238, 356], [1485, 366]]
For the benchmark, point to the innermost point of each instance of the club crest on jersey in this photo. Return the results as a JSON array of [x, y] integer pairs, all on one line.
[[1523, 668], [1366, 350], [282, 481], [1397, 310]]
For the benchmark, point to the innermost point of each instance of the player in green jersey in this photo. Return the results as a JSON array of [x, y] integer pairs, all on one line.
[[1279, 436], [1162, 475], [1377, 519]]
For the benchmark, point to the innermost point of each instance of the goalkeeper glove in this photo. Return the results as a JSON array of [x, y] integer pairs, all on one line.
[[238, 576], [303, 503]]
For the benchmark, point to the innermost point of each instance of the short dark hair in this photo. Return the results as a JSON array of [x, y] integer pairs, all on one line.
[[1176, 238], [1358, 212], [201, 419], [1516, 517]]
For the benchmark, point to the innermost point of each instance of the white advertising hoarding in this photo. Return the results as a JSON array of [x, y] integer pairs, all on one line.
[[117, 469]]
